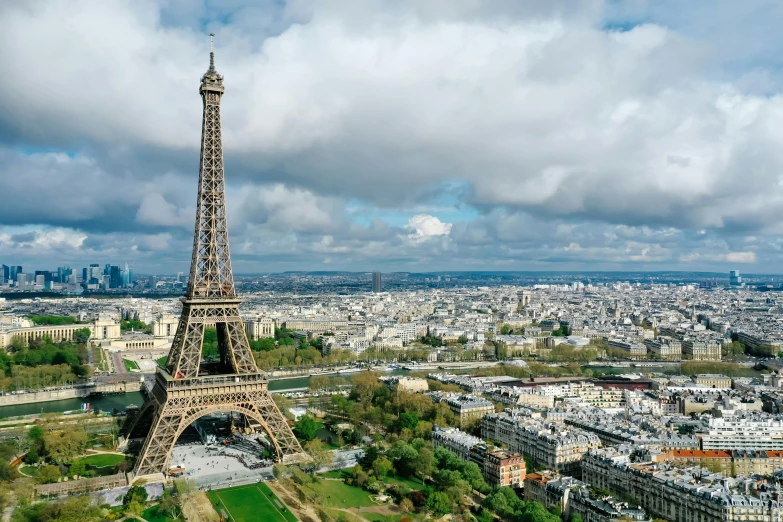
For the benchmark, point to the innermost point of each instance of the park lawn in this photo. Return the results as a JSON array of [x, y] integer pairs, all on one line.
[[162, 361], [277, 502], [103, 459], [340, 495], [153, 514], [248, 504], [414, 484], [29, 470], [103, 464], [377, 517], [335, 473], [130, 365]]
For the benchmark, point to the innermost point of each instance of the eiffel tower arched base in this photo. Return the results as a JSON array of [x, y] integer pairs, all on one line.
[[177, 403]]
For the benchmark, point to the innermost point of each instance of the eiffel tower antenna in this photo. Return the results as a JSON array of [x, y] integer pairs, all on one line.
[[182, 393]]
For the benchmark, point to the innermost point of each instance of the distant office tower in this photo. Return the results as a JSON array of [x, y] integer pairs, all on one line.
[[63, 274], [5, 274], [130, 276], [96, 274], [115, 281], [21, 279], [376, 282], [15, 271], [40, 280], [45, 274], [734, 278], [126, 276]]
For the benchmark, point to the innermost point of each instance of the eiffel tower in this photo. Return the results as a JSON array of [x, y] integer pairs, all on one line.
[[181, 394]]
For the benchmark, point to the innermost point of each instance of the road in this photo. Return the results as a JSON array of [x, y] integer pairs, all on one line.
[[119, 366]]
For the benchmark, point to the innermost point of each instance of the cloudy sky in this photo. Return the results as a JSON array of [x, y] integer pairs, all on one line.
[[414, 135]]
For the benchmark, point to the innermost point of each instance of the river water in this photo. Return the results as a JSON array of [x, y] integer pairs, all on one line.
[[121, 401]]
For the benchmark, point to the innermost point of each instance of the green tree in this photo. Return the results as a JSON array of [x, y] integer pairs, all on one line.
[[53, 320], [320, 455], [78, 468], [575, 517], [136, 494], [306, 427], [168, 504], [82, 336], [382, 467], [32, 456], [319, 382], [438, 503], [63, 446], [48, 474], [409, 420]]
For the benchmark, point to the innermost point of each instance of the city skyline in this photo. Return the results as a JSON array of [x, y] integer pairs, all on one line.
[[420, 138]]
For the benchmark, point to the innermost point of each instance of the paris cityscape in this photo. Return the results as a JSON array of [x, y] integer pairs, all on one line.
[[417, 288]]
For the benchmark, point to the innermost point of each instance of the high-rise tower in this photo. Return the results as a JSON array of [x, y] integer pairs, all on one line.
[[182, 393]]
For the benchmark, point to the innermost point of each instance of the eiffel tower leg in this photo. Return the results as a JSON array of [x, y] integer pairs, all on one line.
[[237, 339], [155, 454], [185, 355], [288, 446], [178, 413], [145, 412]]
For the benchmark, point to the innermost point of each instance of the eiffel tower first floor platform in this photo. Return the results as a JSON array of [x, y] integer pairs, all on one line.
[[174, 404]]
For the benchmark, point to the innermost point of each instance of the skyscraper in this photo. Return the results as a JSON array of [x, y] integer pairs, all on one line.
[[115, 281], [5, 274], [376, 282], [735, 279], [125, 276]]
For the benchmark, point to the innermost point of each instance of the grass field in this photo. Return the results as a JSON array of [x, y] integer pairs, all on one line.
[[340, 495], [130, 365], [29, 470], [152, 514], [251, 503], [414, 484], [162, 361], [102, 464], [103, 459]]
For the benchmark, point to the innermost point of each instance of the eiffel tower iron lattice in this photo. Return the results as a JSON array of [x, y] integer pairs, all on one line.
[[180, 395]]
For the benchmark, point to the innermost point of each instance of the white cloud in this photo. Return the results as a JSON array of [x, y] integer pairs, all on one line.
[[155, 210], [423, 226], [626, 146]]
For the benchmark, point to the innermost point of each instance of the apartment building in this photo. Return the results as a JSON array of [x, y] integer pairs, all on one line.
[[503, 468], [712, 380], [664, 347], [633, 348], [550, 444], [751, 432], [499, 467], [573, 496], [701, 350], [682, 495], [469, 408]]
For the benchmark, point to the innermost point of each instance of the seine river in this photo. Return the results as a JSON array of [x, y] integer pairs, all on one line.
[[121, 401]]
